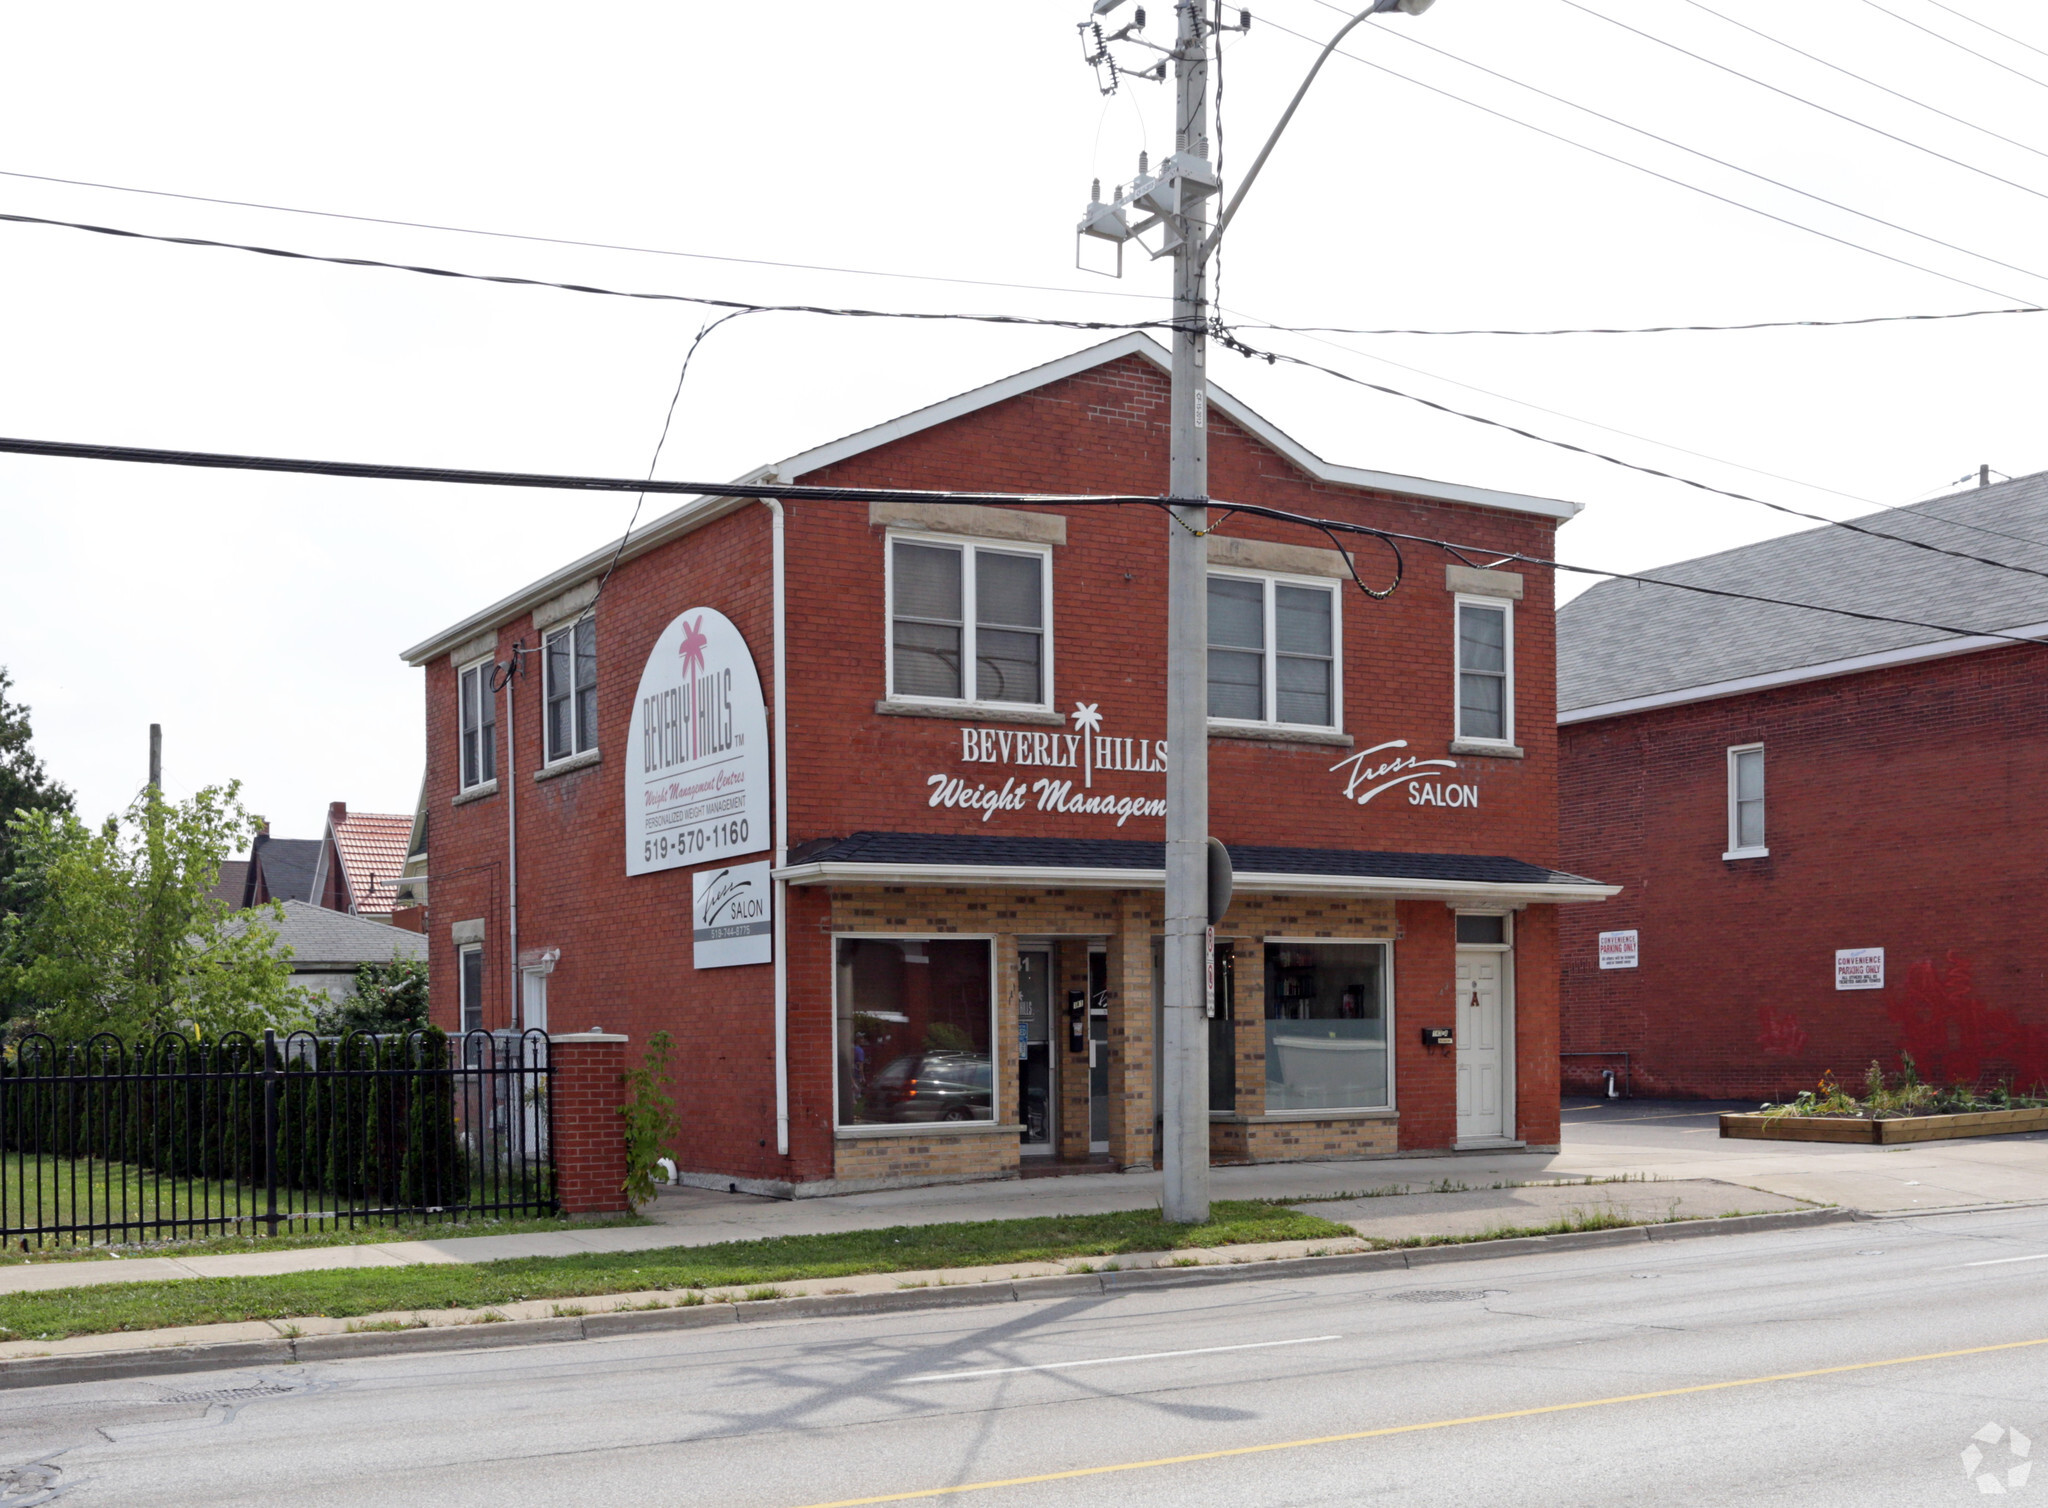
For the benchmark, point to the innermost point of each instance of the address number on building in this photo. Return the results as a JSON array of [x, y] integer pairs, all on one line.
[[697, 840]]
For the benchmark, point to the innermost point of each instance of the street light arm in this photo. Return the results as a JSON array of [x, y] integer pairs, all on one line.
[[1223, 221]]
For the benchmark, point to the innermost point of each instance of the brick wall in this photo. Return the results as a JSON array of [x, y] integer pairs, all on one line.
[[1903, 811], [586, 1088]]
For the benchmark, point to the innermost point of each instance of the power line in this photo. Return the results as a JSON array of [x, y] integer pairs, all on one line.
[[2030, 47], [1940, 36], [1641, 168], [1241, 348], [1813, 104], [1873, 83], [1761, 324], [1467, 553], [510, 235]]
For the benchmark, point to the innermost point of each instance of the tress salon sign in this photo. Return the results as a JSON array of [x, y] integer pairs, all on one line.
[[697, 771]]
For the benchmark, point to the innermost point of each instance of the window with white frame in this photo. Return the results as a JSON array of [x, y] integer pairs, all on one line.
[[1486, 673], [477, 716], [969, 622], [1273, 651], [471, 980], [569, 654], [1746, 802]]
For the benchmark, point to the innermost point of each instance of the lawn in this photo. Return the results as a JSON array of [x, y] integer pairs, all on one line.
[[348, 1292]]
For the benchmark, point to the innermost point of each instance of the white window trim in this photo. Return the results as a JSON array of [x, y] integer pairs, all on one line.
[[462, 1029], [1275, 579], [1386, 947], [576, 749], [1506, 607], [966, 545], [462, 783], [1507, 931], [1735, 850], [995, 1121]]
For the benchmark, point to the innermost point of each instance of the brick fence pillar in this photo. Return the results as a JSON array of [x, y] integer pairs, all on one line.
[[590, 1134]]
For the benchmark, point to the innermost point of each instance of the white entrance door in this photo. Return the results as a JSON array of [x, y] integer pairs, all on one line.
[[1482, 1046]]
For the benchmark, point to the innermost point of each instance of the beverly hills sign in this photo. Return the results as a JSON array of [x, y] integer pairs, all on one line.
[[1078, 758]]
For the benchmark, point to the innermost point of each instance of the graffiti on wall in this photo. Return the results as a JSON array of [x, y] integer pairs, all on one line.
[[1779, 1032], [1953, 1037]]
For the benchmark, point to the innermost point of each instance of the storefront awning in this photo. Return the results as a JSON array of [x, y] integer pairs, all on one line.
[[1117, 864]]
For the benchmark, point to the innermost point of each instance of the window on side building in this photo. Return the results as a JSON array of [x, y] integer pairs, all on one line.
[[471, 975], [1746, 803], [477, 716], [570, 656], [1486, 675], [969, 622], [1326, 1026], [915, 1021], [1273, 651]]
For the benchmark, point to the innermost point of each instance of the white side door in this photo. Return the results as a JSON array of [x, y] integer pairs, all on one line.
[[1482, 1045]]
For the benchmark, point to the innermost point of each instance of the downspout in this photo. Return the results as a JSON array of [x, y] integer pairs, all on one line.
[[512, 833], [781, 899]]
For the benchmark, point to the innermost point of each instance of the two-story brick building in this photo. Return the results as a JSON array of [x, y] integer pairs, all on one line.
[[863, 804], [1828, 826]]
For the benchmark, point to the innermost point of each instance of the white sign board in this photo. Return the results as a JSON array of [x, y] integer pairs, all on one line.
[[1859, 968], [1618, 950], [730, 918], [697, 785]]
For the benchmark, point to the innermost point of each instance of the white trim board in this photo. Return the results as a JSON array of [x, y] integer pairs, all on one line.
[[697, 512], [1912, 654]]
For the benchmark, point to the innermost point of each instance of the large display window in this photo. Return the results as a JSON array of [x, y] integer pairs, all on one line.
[[1326, 1026], [915, 1019]]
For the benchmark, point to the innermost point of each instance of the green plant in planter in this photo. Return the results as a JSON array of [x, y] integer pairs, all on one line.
[[650, 1117]]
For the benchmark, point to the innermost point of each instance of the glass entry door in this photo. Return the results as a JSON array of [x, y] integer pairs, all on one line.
[[1098, 1052], [1036, 1050]]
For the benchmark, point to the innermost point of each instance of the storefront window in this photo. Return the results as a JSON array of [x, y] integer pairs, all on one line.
[[916, 1027], [1326, 1026]]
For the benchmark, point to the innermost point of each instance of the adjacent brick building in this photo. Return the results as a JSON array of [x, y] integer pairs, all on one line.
[[1828, 830], [963, 844]]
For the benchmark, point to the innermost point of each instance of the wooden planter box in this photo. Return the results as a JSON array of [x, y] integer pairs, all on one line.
[[1905, 1128]]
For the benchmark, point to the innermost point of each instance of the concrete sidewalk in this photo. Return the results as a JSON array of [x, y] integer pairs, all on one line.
[[1649, 1161]]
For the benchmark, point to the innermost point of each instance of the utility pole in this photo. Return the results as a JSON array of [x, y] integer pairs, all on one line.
[[156, 756], [1176, 202]]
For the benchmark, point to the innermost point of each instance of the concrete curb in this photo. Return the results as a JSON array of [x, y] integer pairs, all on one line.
[[49, 1371]]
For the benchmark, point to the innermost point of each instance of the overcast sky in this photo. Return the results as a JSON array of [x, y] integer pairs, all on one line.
[[259, 618]]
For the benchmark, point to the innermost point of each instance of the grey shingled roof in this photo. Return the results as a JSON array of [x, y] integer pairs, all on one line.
[[322, 939], [1626, 639], [288, 866]]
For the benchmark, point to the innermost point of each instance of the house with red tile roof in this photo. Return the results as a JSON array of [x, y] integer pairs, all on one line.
[[361, 857]]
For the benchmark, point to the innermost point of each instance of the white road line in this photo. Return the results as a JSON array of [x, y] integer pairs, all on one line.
[[2001, 1261], [1104, 1361]]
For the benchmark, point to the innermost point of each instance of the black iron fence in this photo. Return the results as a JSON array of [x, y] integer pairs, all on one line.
[[105, 1141]]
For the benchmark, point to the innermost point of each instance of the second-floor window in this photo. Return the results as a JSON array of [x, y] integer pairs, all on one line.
[[1746, 802], [477, 711], [1486, 683], [969, 622], [1272, 651], [570, 656]]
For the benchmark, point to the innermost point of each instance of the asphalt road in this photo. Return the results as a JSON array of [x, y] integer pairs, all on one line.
[[1504, 1381]]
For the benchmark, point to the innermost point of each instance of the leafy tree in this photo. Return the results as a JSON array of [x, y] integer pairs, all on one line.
[[389, 997], [24, 785], [119, 930]]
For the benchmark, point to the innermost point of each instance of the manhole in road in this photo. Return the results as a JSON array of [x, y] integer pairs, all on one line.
[[1440, 1295]]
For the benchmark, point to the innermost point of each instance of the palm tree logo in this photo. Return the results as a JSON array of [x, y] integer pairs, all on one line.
[[1088, 718], [695, 641]]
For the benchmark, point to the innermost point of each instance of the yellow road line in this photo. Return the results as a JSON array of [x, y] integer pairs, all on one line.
[[1410, 1429]]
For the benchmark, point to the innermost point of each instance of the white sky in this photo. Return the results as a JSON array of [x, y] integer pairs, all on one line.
[[259, 618]]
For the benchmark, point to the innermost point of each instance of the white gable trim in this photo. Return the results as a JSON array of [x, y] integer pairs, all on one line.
[[1912, 654]]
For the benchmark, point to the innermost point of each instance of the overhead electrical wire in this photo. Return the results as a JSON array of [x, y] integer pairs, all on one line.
[[1873, 83], [1650, 171], [789, 492], [1760, 324], [1798, 98], [1943, 37], [2030, 47]]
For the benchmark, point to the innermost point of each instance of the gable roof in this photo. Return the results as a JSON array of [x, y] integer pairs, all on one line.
[[323, 941], [372, 847], [281, 869], [1627, 646], [697, 512]]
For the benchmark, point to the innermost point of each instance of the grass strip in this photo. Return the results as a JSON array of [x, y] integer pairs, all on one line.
[[368, 1233], [341, 1293]]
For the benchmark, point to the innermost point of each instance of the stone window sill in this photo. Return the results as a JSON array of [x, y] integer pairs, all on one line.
[[1488, 751], [974, 712], [926, 1128], [475, 793], [570, 765], [1274, 733], [1746, 853]]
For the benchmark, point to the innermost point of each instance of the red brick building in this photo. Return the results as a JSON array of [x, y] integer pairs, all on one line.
[[1828, 830], [899, 907]]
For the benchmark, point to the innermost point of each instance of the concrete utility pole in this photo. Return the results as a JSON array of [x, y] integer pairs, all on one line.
[[156, 756], [1176, 202]]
